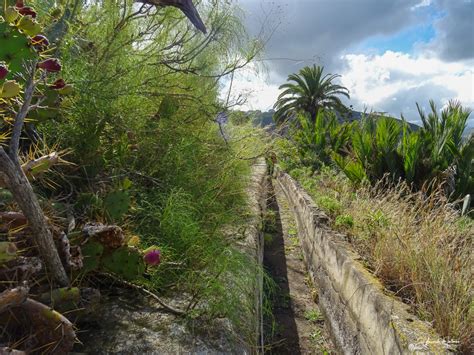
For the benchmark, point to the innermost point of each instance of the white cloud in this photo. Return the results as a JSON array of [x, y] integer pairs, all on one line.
[[252, 85], [423, 3], [392, 82], [395, 81]]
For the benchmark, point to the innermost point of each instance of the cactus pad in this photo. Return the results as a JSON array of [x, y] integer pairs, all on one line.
[[51, 103], [92, 252], [15, 48], [125, 262], [116, 204], [8, 251]]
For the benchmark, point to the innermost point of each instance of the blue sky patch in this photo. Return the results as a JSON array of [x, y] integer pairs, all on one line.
[[405, 40]]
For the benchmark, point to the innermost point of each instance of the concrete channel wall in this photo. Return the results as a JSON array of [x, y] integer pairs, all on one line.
[[252, 245], [363, 319]]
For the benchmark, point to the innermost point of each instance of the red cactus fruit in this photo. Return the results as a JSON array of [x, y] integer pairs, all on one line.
[[40, 42], [152, 256], [27, 11], [51, 65], [58, 84], [3, 71]]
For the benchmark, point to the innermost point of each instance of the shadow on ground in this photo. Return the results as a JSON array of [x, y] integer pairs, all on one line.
[[281, 331]]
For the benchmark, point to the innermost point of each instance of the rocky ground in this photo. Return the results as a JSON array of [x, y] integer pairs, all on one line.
[[128, 322]]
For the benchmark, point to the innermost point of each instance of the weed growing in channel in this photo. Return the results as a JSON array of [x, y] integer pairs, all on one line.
[[313, 315]]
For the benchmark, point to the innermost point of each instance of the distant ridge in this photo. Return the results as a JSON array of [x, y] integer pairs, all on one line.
[[265, 119], [352, 116]]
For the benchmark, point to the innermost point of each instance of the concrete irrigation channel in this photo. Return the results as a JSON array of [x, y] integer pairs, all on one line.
[[295, 324], [362, 317], [323, 300], [312, 295]]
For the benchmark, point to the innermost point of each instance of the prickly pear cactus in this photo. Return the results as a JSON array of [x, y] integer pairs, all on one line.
[[15, 48], [125, 262], [21, 43], [18, 29], [116, 204], [92, 252]]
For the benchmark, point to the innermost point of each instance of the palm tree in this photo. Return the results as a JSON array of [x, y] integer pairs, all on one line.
[[308, 91]]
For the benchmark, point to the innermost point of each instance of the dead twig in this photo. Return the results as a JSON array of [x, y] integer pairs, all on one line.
[[162, 303]]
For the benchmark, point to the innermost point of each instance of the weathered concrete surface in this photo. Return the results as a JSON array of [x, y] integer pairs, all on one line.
[[252, 245], [127, 322], [362, 318]]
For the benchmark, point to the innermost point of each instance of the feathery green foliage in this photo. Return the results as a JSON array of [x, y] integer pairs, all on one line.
[[147, 94]]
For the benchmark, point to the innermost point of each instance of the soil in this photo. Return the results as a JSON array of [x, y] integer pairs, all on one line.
[[297, 325]]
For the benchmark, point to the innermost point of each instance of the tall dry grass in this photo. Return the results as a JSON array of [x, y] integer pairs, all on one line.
[[417, 244]]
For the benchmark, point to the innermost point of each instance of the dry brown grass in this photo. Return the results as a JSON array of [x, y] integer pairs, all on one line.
[[416, 244]]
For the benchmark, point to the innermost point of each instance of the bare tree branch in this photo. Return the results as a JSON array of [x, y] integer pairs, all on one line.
[[21, 115]]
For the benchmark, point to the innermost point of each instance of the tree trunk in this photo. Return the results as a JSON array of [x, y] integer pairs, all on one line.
[[24, 195]]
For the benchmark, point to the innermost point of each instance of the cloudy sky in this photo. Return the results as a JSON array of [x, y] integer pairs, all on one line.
[[390, 53]]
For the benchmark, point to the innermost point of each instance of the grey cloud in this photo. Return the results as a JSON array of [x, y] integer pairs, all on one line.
[[404, 101], [455, 30], [320, 30]]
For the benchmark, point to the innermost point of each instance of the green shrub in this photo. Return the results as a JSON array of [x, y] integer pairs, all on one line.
[[344, 221], [435, 154], [316, 141], [144, 112], [330, 205]]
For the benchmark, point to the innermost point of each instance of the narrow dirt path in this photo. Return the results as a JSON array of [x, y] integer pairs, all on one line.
[[297, 326]]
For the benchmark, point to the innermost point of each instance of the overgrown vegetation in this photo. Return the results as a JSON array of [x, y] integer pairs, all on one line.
[[397, 191], [379, 147], [436, 153], [146, 162]]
